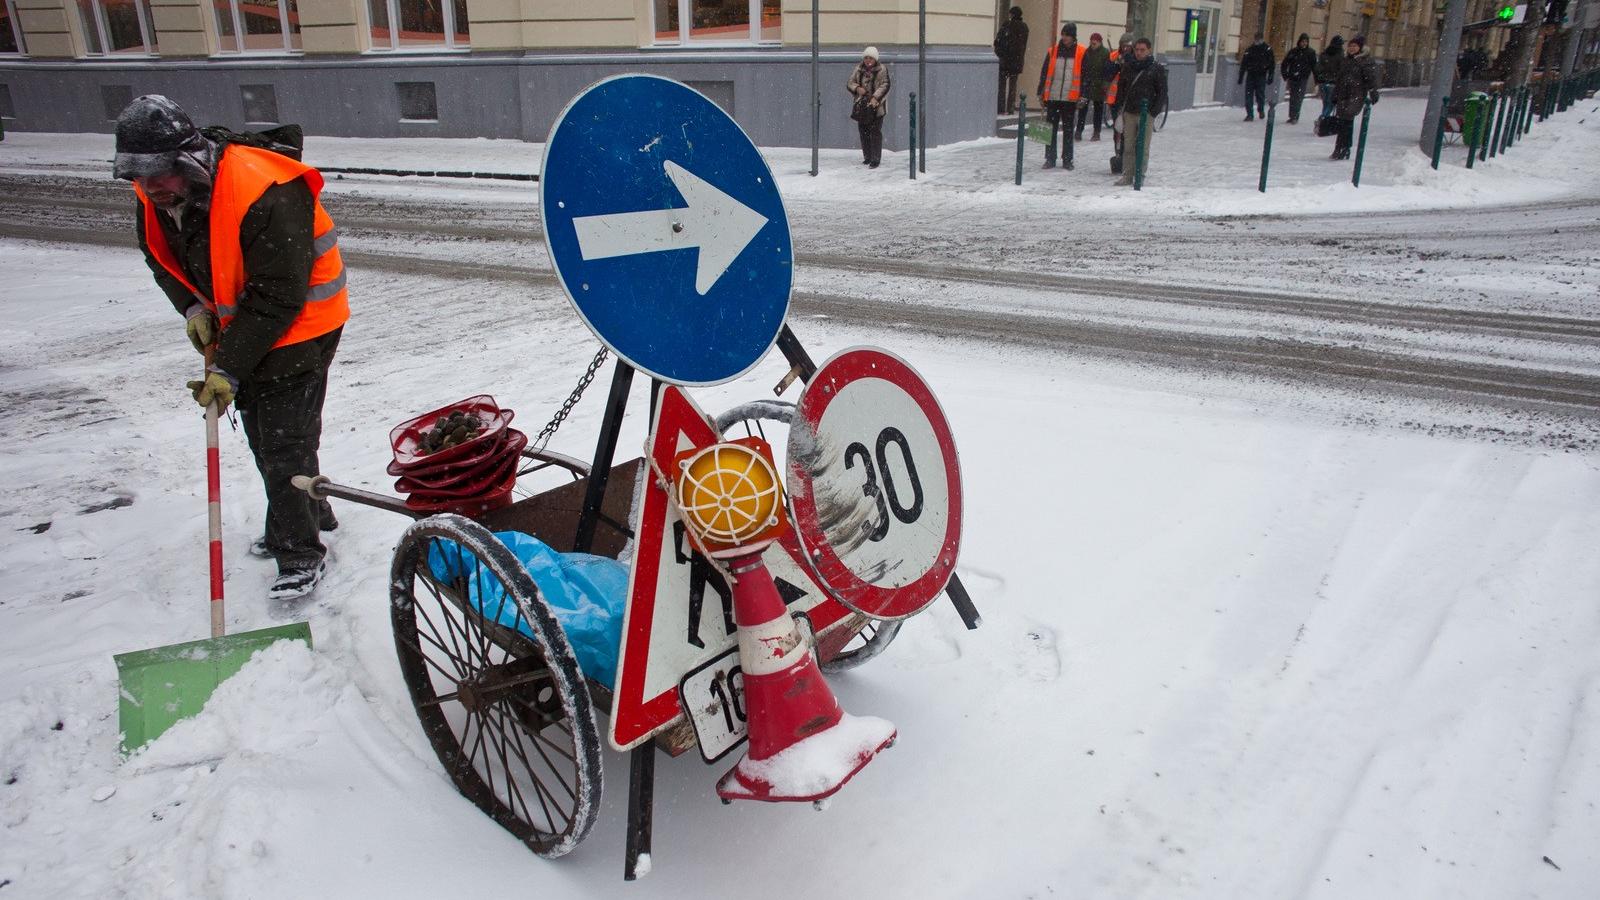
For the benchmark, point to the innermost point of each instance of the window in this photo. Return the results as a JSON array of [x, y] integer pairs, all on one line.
[[260, 103], [10, 29], [257, 26], [117, 27], [718, 21], [418, 103], [418, 24]]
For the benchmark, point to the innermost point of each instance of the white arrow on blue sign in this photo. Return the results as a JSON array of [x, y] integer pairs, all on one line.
[[666, 229]]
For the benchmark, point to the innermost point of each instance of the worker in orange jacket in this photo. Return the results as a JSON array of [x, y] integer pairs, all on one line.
[[235, 235], [1061, 90]]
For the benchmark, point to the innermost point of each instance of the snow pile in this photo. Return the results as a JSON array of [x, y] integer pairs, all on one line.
[[823, 761]]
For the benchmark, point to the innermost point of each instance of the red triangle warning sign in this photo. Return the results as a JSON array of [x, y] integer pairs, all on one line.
[[679, 614]]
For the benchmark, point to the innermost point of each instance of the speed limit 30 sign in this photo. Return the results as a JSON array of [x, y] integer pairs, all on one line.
[[875, 484]]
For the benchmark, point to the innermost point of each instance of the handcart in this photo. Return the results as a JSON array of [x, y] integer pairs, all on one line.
[[504, 704]]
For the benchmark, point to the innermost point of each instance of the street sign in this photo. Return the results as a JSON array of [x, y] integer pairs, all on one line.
[[666, 229], [679, 614], [875, 484]]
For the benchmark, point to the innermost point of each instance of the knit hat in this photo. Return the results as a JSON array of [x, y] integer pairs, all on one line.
[[1070, 29], [870, 51], [1359, 40], [1096, 37], [152, 133]]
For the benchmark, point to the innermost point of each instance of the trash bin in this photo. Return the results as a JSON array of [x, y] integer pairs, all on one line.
[[1476, 111]]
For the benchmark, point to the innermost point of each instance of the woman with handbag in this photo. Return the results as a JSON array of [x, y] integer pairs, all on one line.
[[868, 86]]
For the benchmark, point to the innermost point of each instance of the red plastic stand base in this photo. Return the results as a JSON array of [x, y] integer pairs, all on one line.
[[812, 768]]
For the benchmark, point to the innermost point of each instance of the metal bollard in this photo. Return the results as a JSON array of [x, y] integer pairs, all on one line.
[[1471, 140], [913, 142], [1438, 133], [1022, 132], [1138, 145], [1361, 145], [1266, 147], [1500, 122], [1527, 115]]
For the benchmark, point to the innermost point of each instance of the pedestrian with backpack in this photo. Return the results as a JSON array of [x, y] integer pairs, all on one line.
[[236, 237]]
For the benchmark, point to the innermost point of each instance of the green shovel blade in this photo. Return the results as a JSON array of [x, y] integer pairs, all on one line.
[[164, 684]]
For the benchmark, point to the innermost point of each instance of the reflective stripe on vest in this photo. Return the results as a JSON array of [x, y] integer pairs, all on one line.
[[243, 175], [1066, 84]]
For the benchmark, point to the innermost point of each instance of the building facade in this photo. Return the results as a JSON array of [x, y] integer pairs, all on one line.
[[484, 68]]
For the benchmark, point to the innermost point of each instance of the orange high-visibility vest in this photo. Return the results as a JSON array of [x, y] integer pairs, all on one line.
[[243, 175], [1111, 92], [1071, 81]]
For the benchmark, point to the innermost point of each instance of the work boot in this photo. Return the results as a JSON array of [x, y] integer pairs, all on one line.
[[296, 582], [1096, 135], [1048, 164], [1250, 118], [1069, 165]]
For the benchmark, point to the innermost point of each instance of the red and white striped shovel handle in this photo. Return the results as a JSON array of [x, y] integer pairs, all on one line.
[[214, 507]]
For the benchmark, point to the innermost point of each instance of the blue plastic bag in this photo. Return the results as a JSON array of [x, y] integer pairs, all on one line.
[[585, 592]]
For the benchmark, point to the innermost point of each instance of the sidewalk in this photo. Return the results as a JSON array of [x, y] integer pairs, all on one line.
[[1205, 162]]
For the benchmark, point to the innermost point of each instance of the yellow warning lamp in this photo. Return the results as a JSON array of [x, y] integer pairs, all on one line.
[[730, 496]]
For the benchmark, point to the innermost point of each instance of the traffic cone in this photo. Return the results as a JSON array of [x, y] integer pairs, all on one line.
[[802, 745]]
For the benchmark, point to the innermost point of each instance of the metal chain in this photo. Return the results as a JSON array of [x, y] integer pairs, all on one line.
[[571, 401]]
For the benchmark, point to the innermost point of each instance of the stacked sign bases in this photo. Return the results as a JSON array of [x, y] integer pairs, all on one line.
[[639, 171]]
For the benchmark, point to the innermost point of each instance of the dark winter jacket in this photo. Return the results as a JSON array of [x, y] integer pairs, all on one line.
[[1330, 60], [1358, 82], [1138, 81], [1298, 64], [1258, 62], [1011, 45], [1095, 62], [276, 238], [874, 80]]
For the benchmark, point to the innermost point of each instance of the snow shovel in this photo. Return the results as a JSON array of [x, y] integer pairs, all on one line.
[[165, 684]]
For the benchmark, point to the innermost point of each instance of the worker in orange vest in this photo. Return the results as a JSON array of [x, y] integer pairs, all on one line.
[[1060, 89], [233, 230]]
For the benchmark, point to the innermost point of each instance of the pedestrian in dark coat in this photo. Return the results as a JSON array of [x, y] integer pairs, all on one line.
[[869, 86], [1328, 72], [1141, 86], [1010, 45], [269, 297], [1299, 65], [1357, 86], [1096, 60], [1255, 73]]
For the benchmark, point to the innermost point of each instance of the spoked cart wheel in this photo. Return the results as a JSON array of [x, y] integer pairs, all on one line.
[[508, 715], [745, 421]]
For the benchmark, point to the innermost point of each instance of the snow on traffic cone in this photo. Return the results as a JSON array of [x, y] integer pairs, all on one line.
[[803, 746]]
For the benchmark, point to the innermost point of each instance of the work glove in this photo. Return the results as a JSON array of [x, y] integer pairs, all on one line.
[[202, 328], [217, 387]]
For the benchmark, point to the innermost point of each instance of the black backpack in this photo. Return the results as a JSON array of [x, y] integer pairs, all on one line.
[[286, 140]]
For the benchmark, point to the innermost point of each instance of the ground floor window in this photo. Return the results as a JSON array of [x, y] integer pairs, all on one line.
[[117, 27], [718, 21], [257, 26], [10, 29], [418, 24]]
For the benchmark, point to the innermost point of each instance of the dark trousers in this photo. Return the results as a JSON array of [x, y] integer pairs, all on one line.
[[1297, 96], [282, 420], [1343, 129], [1006, 101], [1255, 95], [1059, 115], [1099, 115], [872, 139]]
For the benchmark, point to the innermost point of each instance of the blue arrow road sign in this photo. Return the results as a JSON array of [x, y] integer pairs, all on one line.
[[666, 229]]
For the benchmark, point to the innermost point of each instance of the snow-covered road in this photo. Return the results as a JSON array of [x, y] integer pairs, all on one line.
[[1245, 636]]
